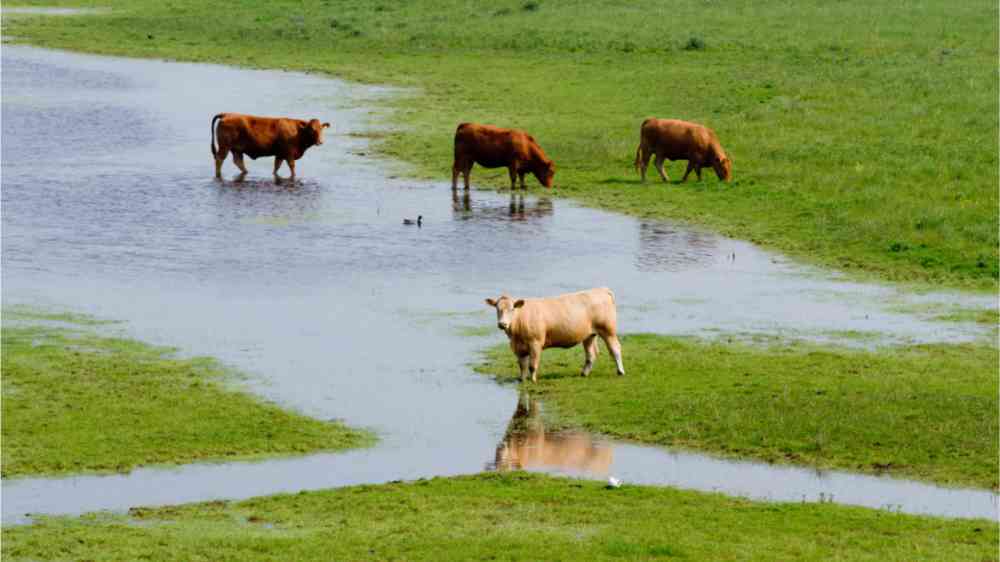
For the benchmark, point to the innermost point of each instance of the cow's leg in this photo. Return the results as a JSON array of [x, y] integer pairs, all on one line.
[[615, 347], [688, 171], [238, 160], [467, 171], [512, 170], [454, 176], [535, 358], [644, 163], [277, 165], [522, 362], [697, 170], [291, 166], [659, 168], [220, 157], [520, 178], [590, 353]]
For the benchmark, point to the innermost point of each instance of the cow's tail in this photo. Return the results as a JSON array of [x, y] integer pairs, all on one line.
[[215, 151], [638, 157]]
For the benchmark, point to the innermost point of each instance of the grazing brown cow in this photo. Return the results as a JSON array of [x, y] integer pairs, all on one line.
[[673, 139], [532, 325], [285, 139], [493, 147]]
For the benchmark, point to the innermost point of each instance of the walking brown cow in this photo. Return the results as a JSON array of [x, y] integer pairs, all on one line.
[[285, 139], [494, 147], [673, 139], [532, 325]]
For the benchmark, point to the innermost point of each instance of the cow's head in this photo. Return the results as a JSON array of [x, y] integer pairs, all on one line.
[[505, 310], [313, 131], [723, 168], [545, 172]]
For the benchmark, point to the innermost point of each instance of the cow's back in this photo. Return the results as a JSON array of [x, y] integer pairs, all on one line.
[[490, 146], [566, 320], [256, 136], [676, 139]]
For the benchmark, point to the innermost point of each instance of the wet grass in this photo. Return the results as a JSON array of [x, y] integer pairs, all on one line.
[[864, 135], [78, 402], [926, 412], [502, 517]]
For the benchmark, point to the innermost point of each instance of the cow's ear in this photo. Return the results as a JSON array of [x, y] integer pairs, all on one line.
[[491, 302], [518, 303], [325, 125]]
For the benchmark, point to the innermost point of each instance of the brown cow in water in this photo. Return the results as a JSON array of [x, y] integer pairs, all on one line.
[[532, 325], [673, 139], [285, 139], [494, 147]]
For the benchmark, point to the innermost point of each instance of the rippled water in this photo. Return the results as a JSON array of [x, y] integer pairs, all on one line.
[[334, 307]]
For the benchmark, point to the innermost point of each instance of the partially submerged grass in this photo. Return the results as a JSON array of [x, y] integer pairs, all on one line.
[[77, 402], [864, 135], [927, 412], [502, 517], [28, 314]]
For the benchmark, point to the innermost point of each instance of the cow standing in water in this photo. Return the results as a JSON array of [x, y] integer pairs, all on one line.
[[532, 325], [285, 139], [494, 147], [673, 139]]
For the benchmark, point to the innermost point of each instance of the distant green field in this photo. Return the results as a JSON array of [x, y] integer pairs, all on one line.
[[502, 517], [926, 412], [863, 134], [78, 402]]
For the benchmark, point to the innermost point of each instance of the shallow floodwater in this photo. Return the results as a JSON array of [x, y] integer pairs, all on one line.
[[333, 307]]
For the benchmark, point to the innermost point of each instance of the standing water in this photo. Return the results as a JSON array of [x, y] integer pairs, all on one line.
[[335, 308]]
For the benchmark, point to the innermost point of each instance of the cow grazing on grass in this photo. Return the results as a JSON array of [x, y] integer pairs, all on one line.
[[285, 139], [672, 139], [532, 325], [493, 147]]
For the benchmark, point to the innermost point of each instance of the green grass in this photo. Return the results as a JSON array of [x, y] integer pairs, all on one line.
[[926, 412], [78, 402], [864, 135], [502, 517]]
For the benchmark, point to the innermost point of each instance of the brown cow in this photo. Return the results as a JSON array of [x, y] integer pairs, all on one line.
[[532, 325], [673, 139], [493, 147], [285, 139]]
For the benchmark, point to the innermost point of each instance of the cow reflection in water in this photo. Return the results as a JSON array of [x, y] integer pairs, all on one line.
[[516, 209], [527, 446]]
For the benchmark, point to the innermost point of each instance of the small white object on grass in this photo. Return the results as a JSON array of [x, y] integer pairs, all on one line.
[[614, 482]]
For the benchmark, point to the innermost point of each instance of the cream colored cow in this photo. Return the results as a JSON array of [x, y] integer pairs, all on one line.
[[532, 325]]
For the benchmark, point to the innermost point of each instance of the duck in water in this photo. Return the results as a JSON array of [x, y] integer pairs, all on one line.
[[418, 222]]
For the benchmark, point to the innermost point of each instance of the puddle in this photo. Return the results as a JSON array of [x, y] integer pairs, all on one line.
[[317, 290]]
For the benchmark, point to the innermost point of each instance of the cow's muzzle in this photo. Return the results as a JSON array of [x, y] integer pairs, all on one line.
[[503, 326]]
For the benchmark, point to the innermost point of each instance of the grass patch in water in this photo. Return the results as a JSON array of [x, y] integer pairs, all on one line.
[[827, 169], [927, 412], [513, 516], [29, 314], [78, 402]]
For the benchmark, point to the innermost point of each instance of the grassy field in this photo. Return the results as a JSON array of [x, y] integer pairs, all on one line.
[[863, 135], [77, 402], [926, 412], [502, 517]]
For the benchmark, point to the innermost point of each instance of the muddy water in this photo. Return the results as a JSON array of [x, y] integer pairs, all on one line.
[[317, 290]]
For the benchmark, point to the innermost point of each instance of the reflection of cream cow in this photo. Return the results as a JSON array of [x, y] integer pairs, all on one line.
[[527, 446], [532, 325]]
